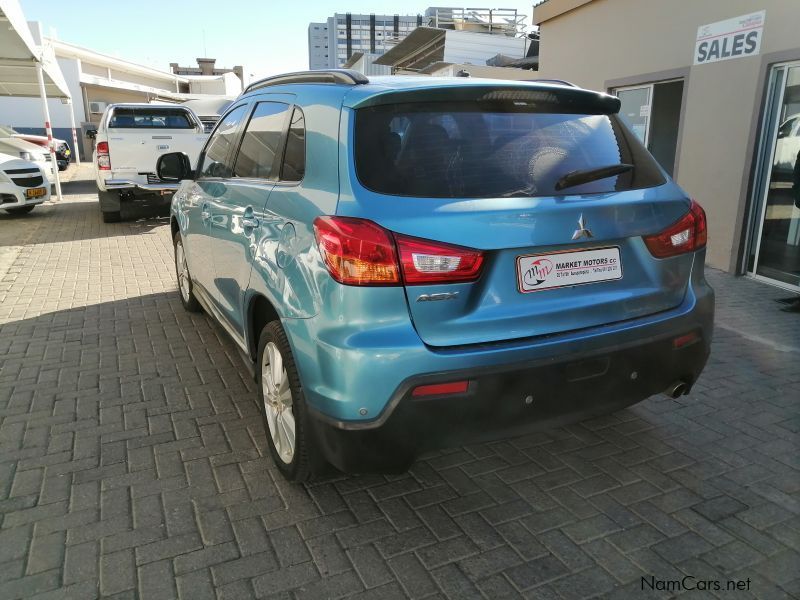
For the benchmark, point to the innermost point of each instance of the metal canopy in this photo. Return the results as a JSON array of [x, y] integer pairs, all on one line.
[[19, 55], [419, 40], [28, 70]]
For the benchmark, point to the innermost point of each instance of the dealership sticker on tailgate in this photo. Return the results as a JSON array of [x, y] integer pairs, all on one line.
[[548, 271]]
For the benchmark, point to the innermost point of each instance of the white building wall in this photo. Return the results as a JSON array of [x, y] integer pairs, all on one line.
[[366, 65], [227, 84], [102, 78], [463, 47]]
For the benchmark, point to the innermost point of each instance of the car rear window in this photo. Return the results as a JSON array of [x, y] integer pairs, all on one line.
[[150, 118], [499, 149]]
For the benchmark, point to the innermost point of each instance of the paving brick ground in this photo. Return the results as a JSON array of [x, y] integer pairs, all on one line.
[[133, 464]]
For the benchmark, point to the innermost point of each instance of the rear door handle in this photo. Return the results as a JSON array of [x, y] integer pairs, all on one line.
[[205, 214]]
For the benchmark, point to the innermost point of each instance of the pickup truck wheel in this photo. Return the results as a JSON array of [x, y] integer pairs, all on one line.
[[185, 286], [283, 406], [22, 210]]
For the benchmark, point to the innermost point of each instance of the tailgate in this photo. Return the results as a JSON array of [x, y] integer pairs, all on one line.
[[536, 279], [138, 152], [554, 189], [137, 136]]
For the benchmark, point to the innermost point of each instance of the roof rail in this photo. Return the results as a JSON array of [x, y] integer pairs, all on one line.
[[345, 76], [558, 81]]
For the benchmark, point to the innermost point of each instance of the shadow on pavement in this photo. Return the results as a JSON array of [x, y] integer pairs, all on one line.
[[147, 407], [76, 219]]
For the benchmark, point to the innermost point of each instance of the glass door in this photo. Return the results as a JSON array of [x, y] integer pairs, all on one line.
[[653, 112], [776, 254], [635, 109]]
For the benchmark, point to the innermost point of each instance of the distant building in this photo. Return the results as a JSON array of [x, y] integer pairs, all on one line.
[[95, 80], [205, 66], [359, 40], [318, 46], [348, 33]]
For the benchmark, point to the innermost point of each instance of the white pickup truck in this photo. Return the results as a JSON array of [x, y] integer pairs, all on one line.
[[128, 142]]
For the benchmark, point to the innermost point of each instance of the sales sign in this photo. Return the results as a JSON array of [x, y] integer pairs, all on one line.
[[732, 38]]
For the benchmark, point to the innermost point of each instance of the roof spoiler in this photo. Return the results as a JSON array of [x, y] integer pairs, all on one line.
[[343, 76], [564, 99]]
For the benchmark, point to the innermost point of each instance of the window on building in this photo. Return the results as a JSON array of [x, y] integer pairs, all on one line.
[[261, 141]]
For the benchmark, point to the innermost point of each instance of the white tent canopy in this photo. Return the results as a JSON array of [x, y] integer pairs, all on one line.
[[28, 70], [19, 55]]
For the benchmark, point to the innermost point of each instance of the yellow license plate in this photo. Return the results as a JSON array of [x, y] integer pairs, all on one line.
[[35, 192]]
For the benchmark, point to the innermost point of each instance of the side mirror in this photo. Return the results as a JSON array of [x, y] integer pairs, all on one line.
[[91, 133], [174, 166]]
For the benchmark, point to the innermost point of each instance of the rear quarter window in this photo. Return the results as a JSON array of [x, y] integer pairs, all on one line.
[[150, 118], [499, 149]]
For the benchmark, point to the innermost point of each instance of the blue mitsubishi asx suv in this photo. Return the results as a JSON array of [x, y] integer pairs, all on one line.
[[407, 263]]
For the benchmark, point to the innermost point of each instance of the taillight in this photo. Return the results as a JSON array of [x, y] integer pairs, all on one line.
[[424, 261], [360, 252], [688, 234], [357, 251], [103, 158]]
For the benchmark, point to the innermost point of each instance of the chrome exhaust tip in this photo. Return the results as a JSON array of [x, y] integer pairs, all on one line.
[[677, 389]]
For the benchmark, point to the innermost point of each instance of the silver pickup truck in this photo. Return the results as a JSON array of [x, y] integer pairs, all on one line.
[[128, 142]]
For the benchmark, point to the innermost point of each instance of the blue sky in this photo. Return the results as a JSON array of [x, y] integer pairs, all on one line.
[[266, 36]]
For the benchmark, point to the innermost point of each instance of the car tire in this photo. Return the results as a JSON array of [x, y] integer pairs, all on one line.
[[283, 407], [185, 285], [22, 210]]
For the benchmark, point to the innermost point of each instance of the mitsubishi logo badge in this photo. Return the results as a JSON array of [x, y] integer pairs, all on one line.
[[582, 231]]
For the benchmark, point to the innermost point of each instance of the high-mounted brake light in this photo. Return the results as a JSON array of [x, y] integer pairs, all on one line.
[[688, 234], [360, 252], [103, 158]]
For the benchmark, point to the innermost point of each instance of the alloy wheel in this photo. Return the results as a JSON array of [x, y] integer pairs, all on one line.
[[278, 402], [183, 271]]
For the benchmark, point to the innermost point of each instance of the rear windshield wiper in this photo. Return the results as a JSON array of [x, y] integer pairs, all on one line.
[[579, 177]]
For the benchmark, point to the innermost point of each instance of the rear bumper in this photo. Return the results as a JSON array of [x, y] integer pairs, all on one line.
[[128, 184], [109, 181], [358, 384], [509, 401]]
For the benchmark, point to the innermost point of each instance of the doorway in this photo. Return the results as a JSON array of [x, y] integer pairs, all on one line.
[[653, 112], [775, 251]]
